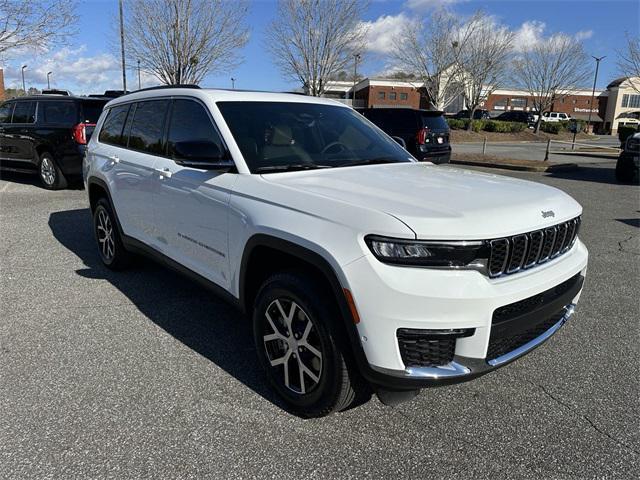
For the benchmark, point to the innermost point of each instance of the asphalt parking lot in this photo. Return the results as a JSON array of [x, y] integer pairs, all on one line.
[[144, 374]]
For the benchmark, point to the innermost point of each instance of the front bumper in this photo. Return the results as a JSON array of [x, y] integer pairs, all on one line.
[[389, 298]]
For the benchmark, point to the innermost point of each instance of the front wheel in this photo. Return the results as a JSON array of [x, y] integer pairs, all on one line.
[[299, 346]]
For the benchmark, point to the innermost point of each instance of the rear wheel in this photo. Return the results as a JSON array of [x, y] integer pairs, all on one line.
[[298, 344], [50, 175], [110, 246]]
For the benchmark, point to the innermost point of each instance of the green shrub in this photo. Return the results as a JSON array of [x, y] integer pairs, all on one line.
[[517, 126], [625, 132], [552, 127], [455, 124], [476, 125]]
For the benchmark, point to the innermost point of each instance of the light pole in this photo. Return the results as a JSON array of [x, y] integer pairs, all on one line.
[[356, 58], [124, 69], [24, 88], [139, 84], [48, 82], [593, 92], [233, 83]]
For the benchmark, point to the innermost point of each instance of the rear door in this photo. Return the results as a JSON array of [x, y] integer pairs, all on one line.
[[6, 111], [192, 203], [132, 157], [18, 134]]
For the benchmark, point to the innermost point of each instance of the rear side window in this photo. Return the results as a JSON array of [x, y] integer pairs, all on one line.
[[5, 112], [91, 111], [58, 112], [190, 123], [434, 122], [25, 112], [147, 128], [111, 131]]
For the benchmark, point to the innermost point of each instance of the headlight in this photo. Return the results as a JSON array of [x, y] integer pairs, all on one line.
[[457, 254]]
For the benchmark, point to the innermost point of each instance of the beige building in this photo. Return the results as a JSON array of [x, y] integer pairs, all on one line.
[[623, 104]]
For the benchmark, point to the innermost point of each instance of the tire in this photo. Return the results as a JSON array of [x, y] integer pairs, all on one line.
[[50, 174], [110, 247], [625, 170], [329, 381]]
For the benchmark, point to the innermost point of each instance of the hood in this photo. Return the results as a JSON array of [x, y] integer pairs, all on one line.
[[440, 203]]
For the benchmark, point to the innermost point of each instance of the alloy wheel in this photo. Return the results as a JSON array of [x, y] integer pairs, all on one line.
[[104, 231], [292, 345], [47, 171]]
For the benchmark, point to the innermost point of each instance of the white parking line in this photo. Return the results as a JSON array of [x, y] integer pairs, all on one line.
[[5, 186]]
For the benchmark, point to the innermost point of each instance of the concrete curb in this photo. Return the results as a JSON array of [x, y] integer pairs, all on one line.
[[555, 167]]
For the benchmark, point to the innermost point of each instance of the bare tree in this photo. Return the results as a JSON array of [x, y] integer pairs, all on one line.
[[35, 24], [429, 50], [629, 62], [484, 50], [550, 70], [312, 41], [181, 41]]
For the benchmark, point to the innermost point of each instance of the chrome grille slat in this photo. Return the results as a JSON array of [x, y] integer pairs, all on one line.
[[526, 250]]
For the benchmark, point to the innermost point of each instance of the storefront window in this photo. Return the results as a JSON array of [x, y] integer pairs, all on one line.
[[631, 101]]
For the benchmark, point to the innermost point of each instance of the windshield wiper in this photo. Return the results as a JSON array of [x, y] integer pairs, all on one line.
[[290, 168], [369, 161]]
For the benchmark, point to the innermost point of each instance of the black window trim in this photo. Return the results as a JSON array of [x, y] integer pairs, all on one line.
[[133, 105]]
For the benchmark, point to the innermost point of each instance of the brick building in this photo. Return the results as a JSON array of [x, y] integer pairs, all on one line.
[[2, 92]]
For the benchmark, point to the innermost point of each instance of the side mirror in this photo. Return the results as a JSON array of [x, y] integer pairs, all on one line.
[[201, 154], [401, 142]]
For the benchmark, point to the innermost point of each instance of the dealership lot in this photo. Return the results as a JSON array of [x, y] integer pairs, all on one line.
[[144, 374]]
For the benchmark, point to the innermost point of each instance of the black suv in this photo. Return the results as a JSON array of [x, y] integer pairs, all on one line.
[[47, 134], [425, 132], [517, 116], [477, 115]]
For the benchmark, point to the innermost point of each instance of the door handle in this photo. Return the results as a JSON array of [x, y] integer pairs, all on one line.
[[164, 172], [114, 159]]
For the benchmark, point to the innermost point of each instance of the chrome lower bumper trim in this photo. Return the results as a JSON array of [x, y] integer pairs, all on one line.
[[463, 366], [513, 354]]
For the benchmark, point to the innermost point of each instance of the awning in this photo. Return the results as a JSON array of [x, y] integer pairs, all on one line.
[[595, 118]]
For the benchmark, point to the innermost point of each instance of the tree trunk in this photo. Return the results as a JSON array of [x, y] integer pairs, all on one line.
[[470, 123], [538, 122]]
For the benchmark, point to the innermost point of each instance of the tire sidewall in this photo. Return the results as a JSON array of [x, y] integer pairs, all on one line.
[[325, 392]]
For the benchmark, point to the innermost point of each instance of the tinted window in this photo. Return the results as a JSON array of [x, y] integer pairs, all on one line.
[[147, 128], [91, 111], [5, 112], [435, 122], [190, 123], [277, 135], [58, 112], [25, 112], [112, 129]]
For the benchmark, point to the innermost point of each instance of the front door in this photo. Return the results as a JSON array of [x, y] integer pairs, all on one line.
[[192, 203]]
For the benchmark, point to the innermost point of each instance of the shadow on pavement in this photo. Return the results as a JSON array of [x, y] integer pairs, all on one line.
[[634, 222], [191, 314], [33, 179], [597, 173]]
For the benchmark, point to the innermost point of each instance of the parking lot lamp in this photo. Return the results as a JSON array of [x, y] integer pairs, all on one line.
[[24, 88], [356, 59], [233, 83], [48, 82], [593, 92]]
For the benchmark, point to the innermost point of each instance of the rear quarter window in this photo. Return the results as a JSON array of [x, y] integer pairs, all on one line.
[[6, 110]]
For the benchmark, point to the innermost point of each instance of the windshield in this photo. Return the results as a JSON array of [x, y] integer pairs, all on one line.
[[278, 136]]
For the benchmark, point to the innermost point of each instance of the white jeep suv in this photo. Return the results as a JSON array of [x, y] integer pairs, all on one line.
[[362, 269]]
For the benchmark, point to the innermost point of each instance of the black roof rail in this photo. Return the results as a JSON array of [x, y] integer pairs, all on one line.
[[163, 87], [54, 91]]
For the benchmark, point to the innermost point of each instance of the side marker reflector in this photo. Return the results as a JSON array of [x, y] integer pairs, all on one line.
[[352, 305]]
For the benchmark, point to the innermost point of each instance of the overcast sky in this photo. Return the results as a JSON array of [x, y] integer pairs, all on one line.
[[89, 65]]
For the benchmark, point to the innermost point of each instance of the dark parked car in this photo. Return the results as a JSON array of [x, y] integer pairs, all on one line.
[[628, 166], [425, 132], [517, 116], [477, 115], [47, 135]]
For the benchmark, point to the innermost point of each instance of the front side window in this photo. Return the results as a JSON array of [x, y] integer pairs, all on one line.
[[25, 112], [276, 136], [111, 131], [190, 123], [147, 128], [62, 112], [6, 109]]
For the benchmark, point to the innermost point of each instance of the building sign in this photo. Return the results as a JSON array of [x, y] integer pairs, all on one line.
[[585, 110]]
